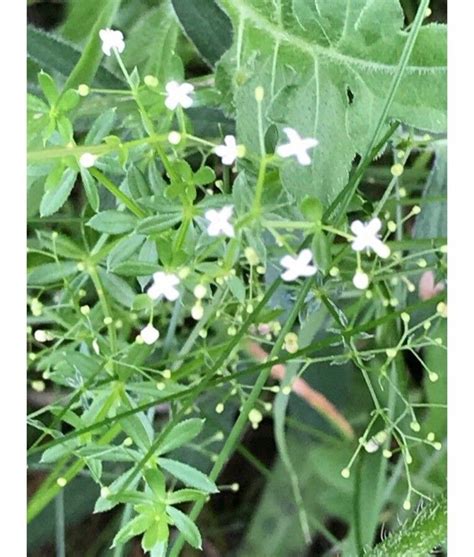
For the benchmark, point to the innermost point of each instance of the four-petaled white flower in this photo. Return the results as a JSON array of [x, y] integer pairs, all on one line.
[[367, 237], [297, 147], [87, 160], [177, 94], [149, 334], [164, 284], [219, 221], [298, 266], [111, 39], [229, 151]]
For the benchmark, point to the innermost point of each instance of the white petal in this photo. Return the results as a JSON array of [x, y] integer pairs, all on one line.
[[186, 102], [374, 226], [229, 159], [358, 244], [292, 135], [226, 212], [228, 229], [289, 275], [230, 141], [381, 249], [149, 334], [154, 292], [303, 158], [213, 229], [305, 256], [288, 261], [309, 143], [357, 227], [308, 271], [172, 87], [187, 88], [171, 293], [211, 215], [171, 102], [285, 151]]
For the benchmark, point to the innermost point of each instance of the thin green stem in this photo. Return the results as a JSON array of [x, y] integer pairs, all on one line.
[[119, 194]]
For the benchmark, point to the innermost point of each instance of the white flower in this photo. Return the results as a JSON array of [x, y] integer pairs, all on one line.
[[360, 280], [111, 39], [297, 146], [42, 336], [229, 151], [298, 266], [87, 160], [174, 137], [366, 237], [371, 446], [219, 221], [177, 94], [149, 334], [164, 284]]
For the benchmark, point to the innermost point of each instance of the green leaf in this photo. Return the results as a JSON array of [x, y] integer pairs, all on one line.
[[50, 91], [50, 273], [186, 526], [133, 528], [206, 25], [156, 480], [188, 475], [152, 42], [69, 100], [326, 69], [158, 223], [135, 268], [90, 187], [80, 18], [237, 288], [55, 197], [53, 54], [184, 496], [419, 535], [101, 127], [205, 175], [181, 434], [112, 222], [157, 533], [120, 290], [123, 250]]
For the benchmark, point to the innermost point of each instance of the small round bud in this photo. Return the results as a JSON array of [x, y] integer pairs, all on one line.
[[415, 426], [149, 334], [291, 343], [430, 437], [184, 272], [427, 325], [334, 272], [61, 482], [249, 309], [203, 333], [397, 169], [200, 291], [151, 81], [391, 352], [95, 346], [387, 454], [286, 390], [104, 492], [422, 263], [369, 294], [345, 473], [128, 441], [232, 331], [241, 150], [437, 446], [408, 458], [197, 311], [83, 90], [160, 386], [360, 280], [235, 487], [36, 307], [251, 256], [166, 373], [407, 504], [260, 269], [42, 336], [219, 408], [38, 386], [394, 302], [416, 210], [433, 377], [392, 226], [259, 94], [402, 192], [87, 160], [255, 416], [80, 267], [268, 406], [442, 309], [174, 138], [405, 317], [428, 12], [443, 249]]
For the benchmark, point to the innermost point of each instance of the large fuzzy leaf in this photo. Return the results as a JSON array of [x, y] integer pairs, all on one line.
[[326, 67]]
